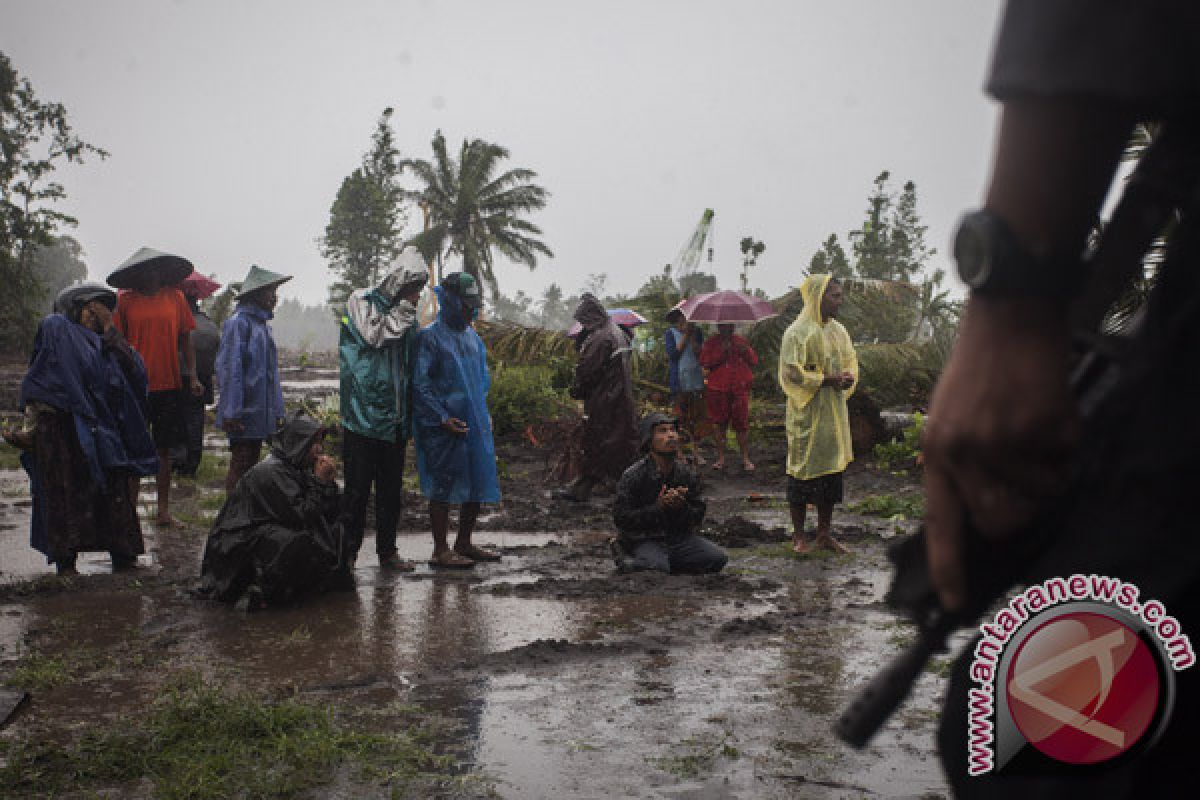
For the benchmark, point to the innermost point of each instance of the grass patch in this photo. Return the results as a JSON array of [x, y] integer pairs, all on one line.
[[908, 506], [211, 501], [940, 666], [212, 468], [201, 742], [38, 672], [696, 756], [10, 457]]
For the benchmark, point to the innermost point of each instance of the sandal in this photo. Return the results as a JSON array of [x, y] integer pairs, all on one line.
[[395, 563], [449, 559], [478, 553]]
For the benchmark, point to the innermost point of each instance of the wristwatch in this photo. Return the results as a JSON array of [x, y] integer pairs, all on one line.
[[991, 261]]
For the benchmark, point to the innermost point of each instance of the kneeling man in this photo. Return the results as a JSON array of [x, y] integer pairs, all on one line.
[[658, 508], [278, 535]]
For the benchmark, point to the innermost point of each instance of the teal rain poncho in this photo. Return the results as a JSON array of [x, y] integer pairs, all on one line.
[[451, 379], [818, 422], [375, 347]]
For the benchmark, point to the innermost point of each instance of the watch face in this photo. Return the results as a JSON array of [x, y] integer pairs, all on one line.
[[971, 252]]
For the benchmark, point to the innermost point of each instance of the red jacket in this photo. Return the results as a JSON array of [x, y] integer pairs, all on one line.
[[728, 362]]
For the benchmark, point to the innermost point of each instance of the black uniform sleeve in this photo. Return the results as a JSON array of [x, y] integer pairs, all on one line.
[[1145, 54]]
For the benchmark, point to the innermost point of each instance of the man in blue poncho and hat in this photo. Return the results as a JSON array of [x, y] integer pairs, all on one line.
[[250, 407], [451, 425], [375, 351], [86, 442]]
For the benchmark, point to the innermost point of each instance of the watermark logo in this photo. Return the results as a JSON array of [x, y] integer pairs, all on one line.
[[1075, 668]]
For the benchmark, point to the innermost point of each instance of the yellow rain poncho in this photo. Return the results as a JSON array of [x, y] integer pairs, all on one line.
[[818, 424]]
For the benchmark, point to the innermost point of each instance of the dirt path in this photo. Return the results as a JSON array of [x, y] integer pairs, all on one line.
[[546, 675]]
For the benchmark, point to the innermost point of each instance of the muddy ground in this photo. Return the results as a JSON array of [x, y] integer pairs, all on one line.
[[546, 675]]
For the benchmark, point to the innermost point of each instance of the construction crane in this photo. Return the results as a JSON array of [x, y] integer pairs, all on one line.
[[689, 257]]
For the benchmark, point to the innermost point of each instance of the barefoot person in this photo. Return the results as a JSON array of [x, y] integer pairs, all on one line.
[[250, 407], [375, 351], [86, 436], [157, 321], [452, 429], [818, 370], [659, 506], [728, 359]]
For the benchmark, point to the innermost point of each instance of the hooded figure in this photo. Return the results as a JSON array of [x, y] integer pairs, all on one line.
[[376, 347], [277, 536], [818, 370], [452, 428], [604, 382], [658, 508], [85, 395]]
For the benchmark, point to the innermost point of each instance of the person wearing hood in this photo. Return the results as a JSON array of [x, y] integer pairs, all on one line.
[[728, 359], [604, 382], [278, 536], [659, 506], [206, 341], [818, 371], [250, 406], [452, 429], [376, 347], [154, 317], [88, 444]]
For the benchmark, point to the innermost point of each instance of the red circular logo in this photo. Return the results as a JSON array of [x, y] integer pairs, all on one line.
[[1083, 688]]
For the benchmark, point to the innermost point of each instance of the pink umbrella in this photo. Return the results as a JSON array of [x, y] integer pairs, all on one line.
[[199, 286], [622, 316], [726, 306]]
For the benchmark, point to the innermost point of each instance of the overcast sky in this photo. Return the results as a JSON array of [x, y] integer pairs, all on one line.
[[232, 124]]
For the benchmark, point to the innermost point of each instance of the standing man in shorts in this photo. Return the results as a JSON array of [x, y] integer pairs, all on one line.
[[156, 321], [250, 407], [818, 370], [728, 359]]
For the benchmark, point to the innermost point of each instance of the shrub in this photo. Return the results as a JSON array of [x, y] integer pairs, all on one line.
[[521, 396], [903, 452]]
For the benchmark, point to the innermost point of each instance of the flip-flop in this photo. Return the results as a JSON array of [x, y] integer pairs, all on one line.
[[479, 554], [451, 560], [717, 467]]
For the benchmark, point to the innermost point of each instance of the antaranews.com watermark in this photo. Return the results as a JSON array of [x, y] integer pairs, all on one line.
[[1078, 623]]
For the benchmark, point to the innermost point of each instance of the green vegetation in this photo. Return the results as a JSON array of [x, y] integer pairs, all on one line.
[[696, 756], [366, 221], [520, 396], [910, 506], [38, 672], [37, 139], [475, 209], [903, 452], [200, 742], [213, 467], [10, 457]]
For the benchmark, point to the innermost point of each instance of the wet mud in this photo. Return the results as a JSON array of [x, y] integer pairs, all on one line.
[[547, 674]]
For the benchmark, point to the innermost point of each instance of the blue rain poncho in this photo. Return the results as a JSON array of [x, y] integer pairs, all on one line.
[[451, 379], [248, 374], [73, 369]]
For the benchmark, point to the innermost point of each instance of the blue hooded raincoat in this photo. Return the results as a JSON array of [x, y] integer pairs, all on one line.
[[451, 379], [248, 374], [72, 371]]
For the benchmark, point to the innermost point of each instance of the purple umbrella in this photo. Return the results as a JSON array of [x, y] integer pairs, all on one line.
[[726, 306], [622, 316]]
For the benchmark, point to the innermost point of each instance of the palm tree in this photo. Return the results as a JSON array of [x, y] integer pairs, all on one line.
[[472, 211]]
